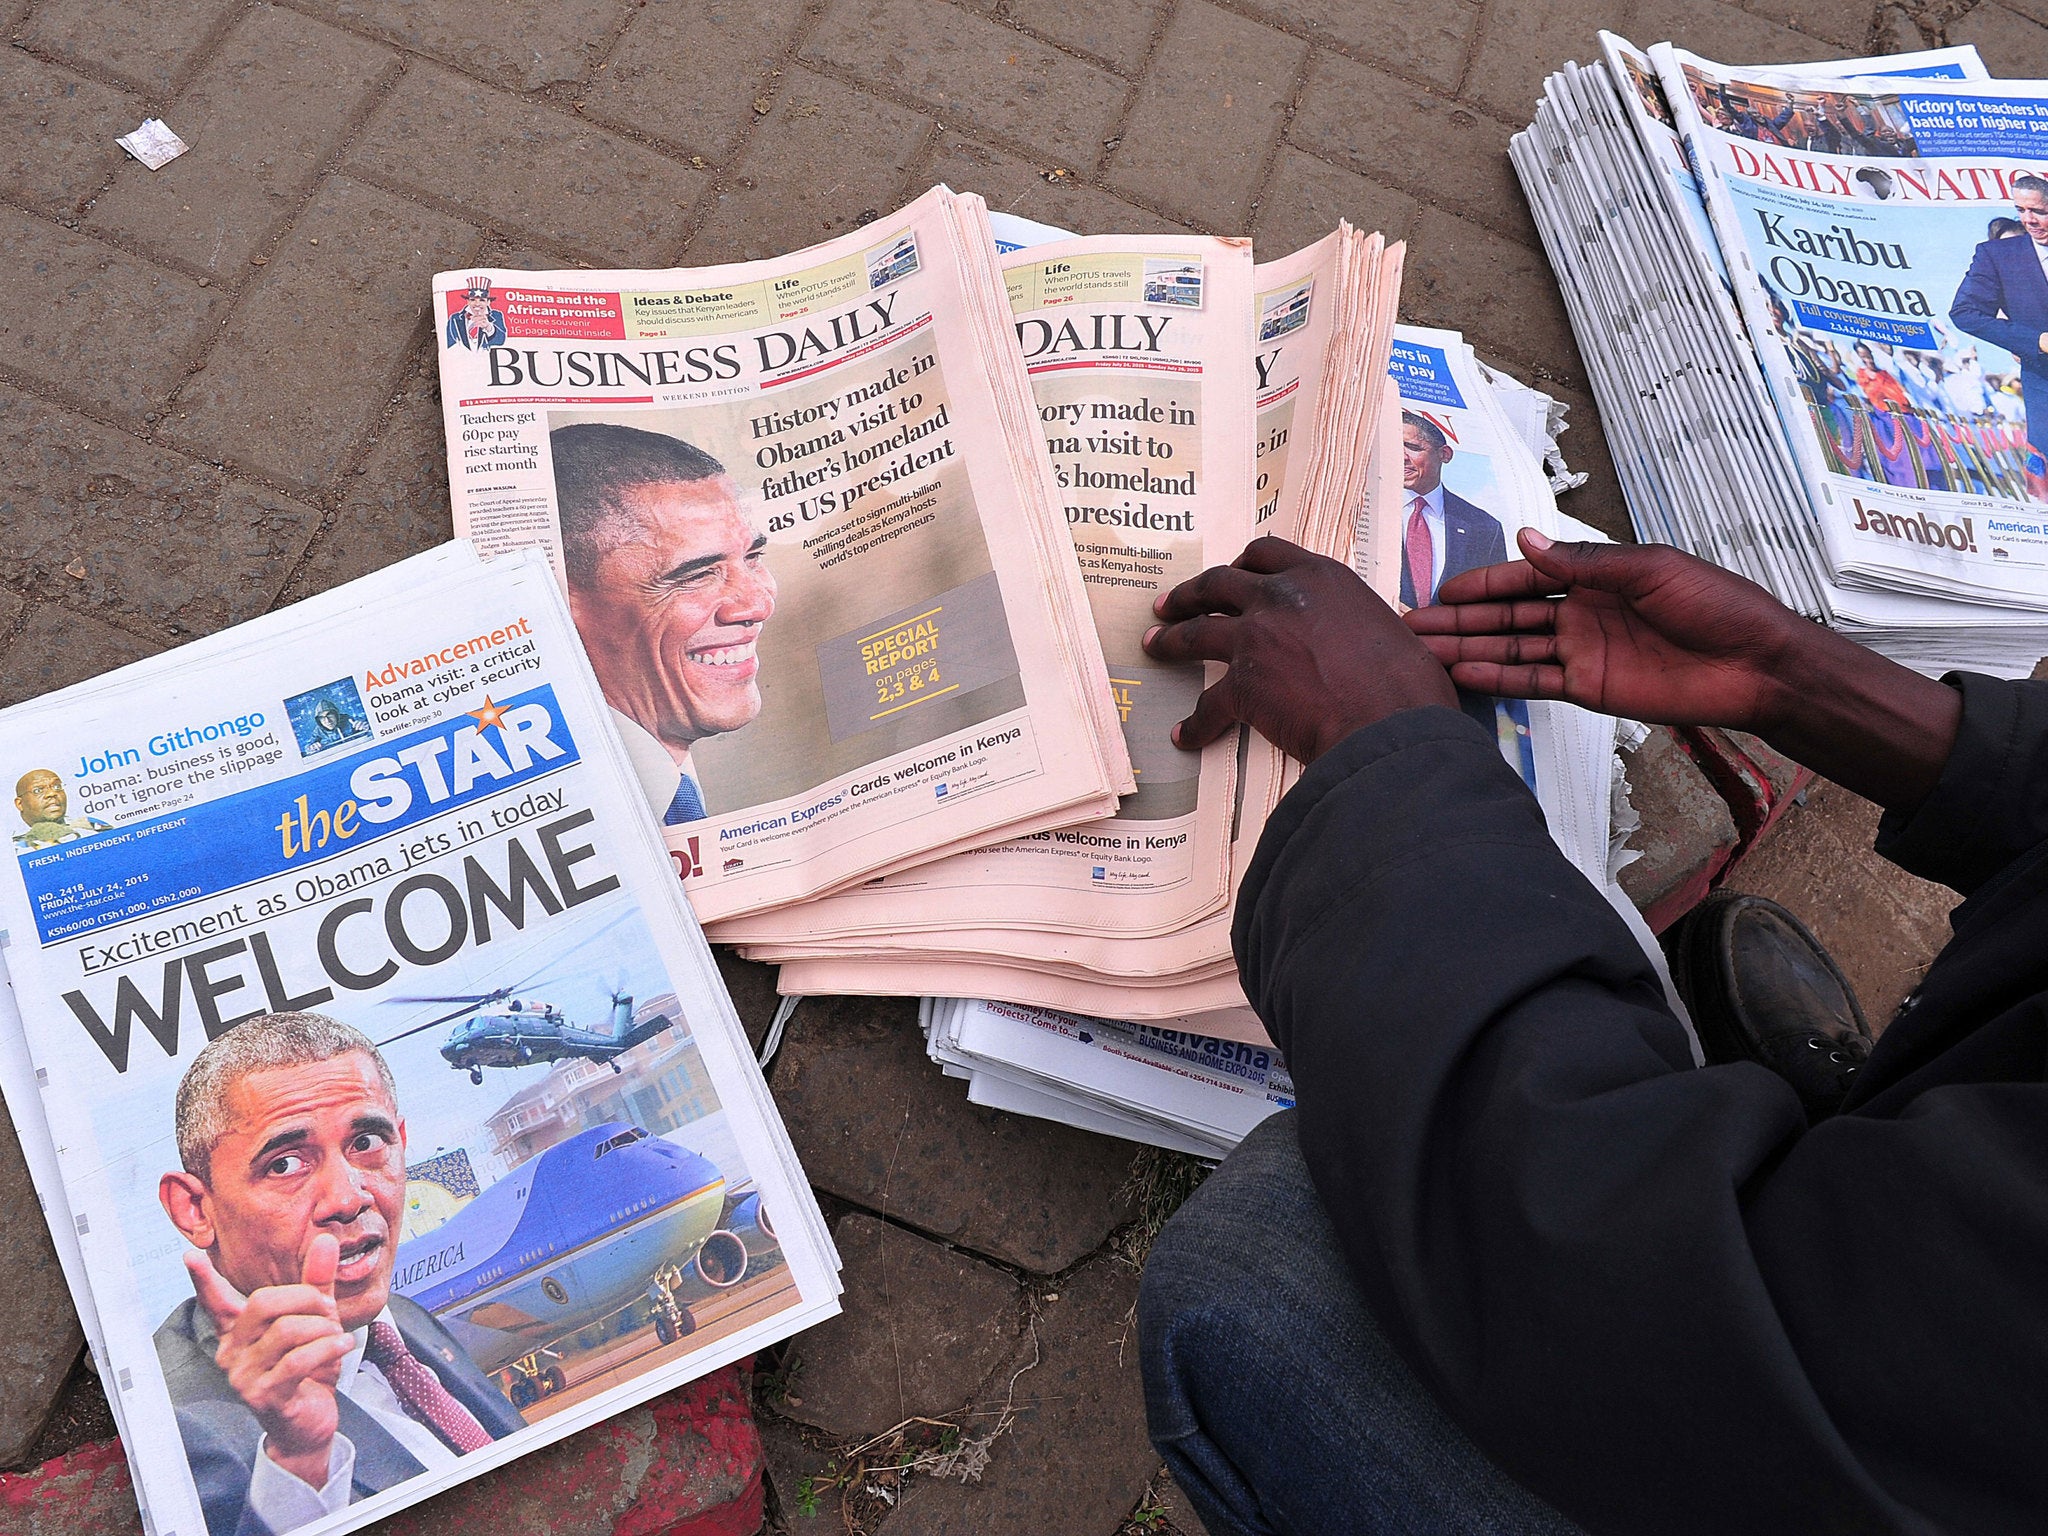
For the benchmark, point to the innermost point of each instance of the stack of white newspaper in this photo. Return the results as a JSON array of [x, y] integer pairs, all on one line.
[[380, 1090], [1809, 298]]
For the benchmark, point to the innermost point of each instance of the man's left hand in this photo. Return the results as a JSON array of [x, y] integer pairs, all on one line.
[[1313, 652]]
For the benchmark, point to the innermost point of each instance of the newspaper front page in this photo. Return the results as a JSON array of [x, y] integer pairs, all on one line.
[[1875, 230], [366, 1015], [809, 540], [1139, 353]]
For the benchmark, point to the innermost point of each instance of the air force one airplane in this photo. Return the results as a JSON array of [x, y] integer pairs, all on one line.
[[592, 1225]]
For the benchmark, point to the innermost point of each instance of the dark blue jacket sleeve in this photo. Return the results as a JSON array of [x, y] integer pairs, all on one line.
[[1544, 1204], [1990, 805], [1980, 296]]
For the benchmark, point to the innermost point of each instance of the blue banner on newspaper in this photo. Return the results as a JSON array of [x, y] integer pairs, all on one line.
[[1893, 330], [2013, 127], [1423, 374], [345, 809]]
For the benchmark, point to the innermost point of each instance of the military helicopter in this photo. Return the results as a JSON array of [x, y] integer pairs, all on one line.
[[503, 1028]]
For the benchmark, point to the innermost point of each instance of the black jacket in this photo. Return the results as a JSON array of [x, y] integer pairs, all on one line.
[[1649, 1292]]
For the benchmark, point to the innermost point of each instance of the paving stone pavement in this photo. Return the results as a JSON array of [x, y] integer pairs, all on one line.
[[217, 395]]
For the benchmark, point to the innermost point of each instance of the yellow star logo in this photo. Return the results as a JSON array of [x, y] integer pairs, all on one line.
[[490, 714]]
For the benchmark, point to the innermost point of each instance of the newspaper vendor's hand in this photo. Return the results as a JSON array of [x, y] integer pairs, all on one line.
[[1638, 630], [1658, 635], [281, 1347], [1313, 653]]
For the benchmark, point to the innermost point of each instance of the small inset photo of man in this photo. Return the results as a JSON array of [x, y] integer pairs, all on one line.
[[329, 716]]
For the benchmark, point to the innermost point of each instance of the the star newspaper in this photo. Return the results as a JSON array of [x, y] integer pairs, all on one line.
[[811, 539], [1306, 414], [1845, 431], [384, 1100]]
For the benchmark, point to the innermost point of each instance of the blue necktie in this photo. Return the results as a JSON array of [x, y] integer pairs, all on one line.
[[688, 804]]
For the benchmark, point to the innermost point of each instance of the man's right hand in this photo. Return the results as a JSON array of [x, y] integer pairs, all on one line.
[[1650, 633], [1643, 631], [282, 1347]]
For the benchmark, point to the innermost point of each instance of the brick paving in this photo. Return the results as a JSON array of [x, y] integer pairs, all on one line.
[[217, 392]]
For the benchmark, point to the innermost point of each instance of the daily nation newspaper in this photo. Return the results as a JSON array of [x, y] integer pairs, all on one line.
[[810, 540], [403, 1123], [1139, 353], [1881, 238]]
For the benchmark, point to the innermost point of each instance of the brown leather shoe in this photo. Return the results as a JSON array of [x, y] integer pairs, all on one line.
[[1760, 988]]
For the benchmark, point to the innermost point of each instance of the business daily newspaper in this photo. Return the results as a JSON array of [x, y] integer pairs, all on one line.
[[1879, 239], [1140, 363], [810, 540], [367, 1016]]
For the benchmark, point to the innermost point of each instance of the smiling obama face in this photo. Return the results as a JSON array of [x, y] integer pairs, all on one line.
[[671, 613]]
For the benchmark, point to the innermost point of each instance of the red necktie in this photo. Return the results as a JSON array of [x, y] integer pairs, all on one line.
[[1421, 555], [420, 1393]]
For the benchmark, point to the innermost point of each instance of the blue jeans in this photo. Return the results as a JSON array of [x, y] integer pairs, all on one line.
[[1275, 1399]]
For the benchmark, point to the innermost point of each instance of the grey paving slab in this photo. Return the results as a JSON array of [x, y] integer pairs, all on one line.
[[102, 327], [1883, 926], [273, 102], [2011, 43], [41, 1341], [1075, 1460], [875, 1123], [798, 1464], [1119, 32], [653, 82], [136, 531], [1845, 23], [2033, 10], [922, 1328], [57, 132], [975, 73], [1305, 197], [396, 504], [773, 201], [1030, 190], [530, 170], [349, 287], [1435, 148], [60, 646], [1725, 34], [151, 47], [1219, 81], [522, 48], [1525, 42], [1501, 294], [1426, 42]]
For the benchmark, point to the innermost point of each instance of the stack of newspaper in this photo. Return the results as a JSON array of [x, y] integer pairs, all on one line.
[[1283, 366], [811, 539], [1477, 442], [1809, 300], [862, 542], [377, 1081], [1186, 1092]]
